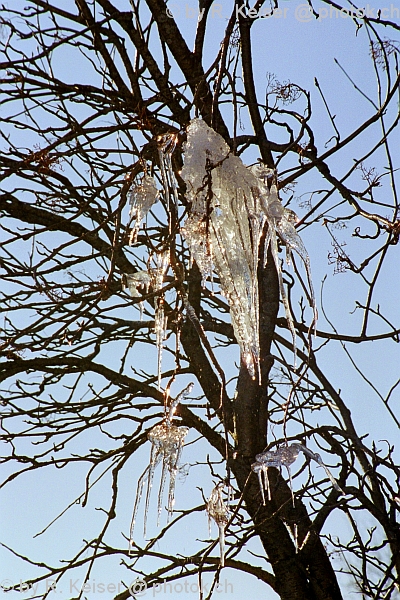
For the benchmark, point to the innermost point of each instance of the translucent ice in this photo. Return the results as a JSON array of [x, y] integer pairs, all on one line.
[[223, 228], [142, 197], [160, 321], [218, 510], [284, 456], [167, 441], [229, 205]]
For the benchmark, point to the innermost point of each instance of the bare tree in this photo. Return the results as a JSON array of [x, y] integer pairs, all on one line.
[[76, 147]]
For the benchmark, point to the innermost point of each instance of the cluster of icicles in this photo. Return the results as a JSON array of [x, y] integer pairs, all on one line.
[[229, 207], [285, 456], [141, 198], [230, 204], [166, 445], [167, 441]]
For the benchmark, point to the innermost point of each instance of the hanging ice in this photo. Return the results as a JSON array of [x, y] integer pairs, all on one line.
[[167, 441], [160, 322], [142, 197], [284, 456], [219, 512], [134, 281], [289, 235], [158, 273], [281, 221], [137, 283], [144, 279], [224, 195], [229, 207], [166, 146]]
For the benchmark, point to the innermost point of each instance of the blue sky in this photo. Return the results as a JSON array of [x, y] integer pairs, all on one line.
[[295, 49]]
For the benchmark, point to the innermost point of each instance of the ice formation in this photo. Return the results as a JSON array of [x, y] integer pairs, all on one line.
[[160, 321], [167, 441], [220, 513], [220, 189], [166, 146], [281, 220], [284, 456], [229, 207], [134, 281], [139, 283], [142, 197]]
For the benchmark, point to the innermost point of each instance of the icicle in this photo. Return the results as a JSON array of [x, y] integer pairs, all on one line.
[[293, 241], [274, 211], [282, 221], [166, 146], [266, 482], [143, 279], [161, 491], [167, 441], [219, 511], [170, 171], [285, 456], [304, 542], [178, 435], [142, 198], [159, 328], [271, 240], [155, 437], [160, 321], [294, 535], [288, 455], [155, 458], [261, 469], [134, 281], [224, 194], [158, 274]]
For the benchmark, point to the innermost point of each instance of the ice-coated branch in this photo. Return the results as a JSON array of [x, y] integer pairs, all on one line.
[[285, 456], [167, 441], [318, 459], [173, 405]]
